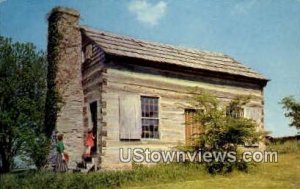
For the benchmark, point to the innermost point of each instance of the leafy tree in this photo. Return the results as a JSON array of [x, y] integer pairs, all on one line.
[[22, 101], [292, 107], [223, 129]]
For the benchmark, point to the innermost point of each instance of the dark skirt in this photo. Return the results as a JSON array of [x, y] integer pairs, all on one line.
[[61, 165]]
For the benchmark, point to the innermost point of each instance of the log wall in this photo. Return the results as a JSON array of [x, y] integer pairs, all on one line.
[[92, 81], [173, 90]]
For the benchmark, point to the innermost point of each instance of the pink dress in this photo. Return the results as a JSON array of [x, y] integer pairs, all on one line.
[[89, 140]]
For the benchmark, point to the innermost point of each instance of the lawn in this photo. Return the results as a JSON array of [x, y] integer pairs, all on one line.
[[284, 174]]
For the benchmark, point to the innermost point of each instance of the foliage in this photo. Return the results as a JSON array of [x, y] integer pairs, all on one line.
[[22, 99], [38, 149], [53, 100], [223, 129], [292, 106]]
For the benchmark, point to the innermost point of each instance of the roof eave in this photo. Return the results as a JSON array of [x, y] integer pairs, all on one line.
[[261, 81]]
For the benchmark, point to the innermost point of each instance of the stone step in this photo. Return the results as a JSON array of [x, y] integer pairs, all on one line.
[[88, 165]]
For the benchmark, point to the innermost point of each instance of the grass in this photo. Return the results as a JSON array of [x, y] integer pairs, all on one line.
[[291, 146], [106, 179], [284, 174]]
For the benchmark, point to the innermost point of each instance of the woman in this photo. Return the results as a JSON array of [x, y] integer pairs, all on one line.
[[61, 164]]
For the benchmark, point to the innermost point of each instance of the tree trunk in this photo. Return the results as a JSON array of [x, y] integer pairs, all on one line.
[[6, 163]]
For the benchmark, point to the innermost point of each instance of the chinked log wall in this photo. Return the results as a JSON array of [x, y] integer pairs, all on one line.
[[92, 82], [173, 89]]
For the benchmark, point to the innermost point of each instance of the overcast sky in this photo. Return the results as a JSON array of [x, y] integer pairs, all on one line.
[[262, 34]]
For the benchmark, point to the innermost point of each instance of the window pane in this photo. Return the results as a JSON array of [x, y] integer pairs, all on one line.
[[150, 128], [149, 106]]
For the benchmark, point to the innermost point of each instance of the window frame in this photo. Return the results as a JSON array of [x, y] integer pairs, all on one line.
[[234, 114], [150, 118]]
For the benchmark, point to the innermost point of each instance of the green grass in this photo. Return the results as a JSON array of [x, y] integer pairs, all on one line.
[[284, 174], [137, 177], [291, 146]]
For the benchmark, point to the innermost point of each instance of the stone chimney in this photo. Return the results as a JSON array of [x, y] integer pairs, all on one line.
[[64, 103]]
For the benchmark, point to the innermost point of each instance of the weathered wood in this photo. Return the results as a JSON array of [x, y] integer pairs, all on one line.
[[184, 74], [130, 120], [173, 83], [115, 87]]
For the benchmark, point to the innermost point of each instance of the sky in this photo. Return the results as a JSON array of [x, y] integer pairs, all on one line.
[[262, 34]]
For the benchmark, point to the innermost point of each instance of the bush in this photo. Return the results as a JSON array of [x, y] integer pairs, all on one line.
[[222, 130]]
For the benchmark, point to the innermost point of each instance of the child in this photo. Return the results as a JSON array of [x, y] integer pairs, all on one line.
[[89, 142], [61, 161]]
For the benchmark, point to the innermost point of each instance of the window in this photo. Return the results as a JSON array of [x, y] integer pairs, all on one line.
[[235, 112], [150, 120]]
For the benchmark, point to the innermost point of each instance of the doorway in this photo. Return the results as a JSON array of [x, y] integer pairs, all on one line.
[[93, 110]]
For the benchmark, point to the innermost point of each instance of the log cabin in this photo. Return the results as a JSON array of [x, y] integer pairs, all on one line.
[[134, 93]]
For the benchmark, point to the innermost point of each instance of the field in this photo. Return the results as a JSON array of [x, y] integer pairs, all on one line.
[[284, 174]]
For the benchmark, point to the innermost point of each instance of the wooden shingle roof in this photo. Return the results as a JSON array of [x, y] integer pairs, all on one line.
[[134, 48]]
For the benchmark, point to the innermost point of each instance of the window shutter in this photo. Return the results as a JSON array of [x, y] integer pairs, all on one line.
[[130, 117], [253, 113]]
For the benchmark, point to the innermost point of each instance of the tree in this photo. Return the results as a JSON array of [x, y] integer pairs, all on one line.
[[223, 129], [292, 107], [22, 100]]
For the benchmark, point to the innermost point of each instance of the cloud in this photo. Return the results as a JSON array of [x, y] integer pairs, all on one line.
[[244, 7], [147, 13], [1, 1]]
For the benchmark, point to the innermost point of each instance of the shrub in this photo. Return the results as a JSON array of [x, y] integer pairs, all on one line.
[[222, 129]]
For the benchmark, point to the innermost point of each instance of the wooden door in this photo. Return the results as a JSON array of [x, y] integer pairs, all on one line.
[[192, 127]]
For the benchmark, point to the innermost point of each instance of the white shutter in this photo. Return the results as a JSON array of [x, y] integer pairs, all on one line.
[[253, 113], [130, 116]]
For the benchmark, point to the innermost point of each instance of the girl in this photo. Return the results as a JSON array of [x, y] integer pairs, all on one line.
[[89, 142], [61, 161]]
